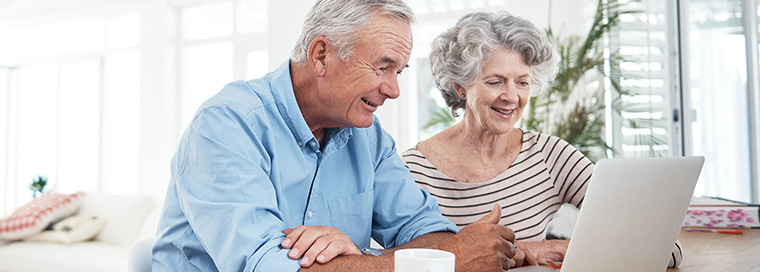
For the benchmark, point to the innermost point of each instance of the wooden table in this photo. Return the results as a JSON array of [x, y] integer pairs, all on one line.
[[712, 252]]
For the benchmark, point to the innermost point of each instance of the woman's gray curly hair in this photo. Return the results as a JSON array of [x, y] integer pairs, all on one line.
[[341, 20], [459, 53]]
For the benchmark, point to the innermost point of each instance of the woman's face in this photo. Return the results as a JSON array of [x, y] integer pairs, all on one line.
[[496, 99]]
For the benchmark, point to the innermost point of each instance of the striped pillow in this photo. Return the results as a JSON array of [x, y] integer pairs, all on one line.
[[36, 215]]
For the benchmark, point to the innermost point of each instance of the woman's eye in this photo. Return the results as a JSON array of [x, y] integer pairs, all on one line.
[[493, 83]]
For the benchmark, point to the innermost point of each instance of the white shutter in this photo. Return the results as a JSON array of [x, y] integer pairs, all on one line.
[[642, 127]]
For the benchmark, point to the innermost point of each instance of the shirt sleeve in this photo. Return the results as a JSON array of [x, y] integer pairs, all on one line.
[[227, 197], [570, 168], [402, 211], [676, 256]]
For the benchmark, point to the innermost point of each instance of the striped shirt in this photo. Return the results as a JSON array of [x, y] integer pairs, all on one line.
[[547, 173]]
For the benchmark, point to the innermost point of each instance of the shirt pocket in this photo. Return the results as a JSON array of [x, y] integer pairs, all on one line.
[[353, 216]]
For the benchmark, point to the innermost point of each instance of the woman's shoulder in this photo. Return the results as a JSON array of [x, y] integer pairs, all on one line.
[[412, 151], [545, 144], [413, 155], [532, 137]]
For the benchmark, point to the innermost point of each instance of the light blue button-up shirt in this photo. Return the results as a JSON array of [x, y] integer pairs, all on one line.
[[249, 167]]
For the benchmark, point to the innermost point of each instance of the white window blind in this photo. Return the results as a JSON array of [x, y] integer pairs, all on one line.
[[640, 122]]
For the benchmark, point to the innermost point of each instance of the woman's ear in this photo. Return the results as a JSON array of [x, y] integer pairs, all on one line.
[[317, 55], [459, 90]]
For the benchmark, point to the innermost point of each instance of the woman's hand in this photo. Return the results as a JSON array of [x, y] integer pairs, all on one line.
[[523, 257], [545, 251], [320, 243]]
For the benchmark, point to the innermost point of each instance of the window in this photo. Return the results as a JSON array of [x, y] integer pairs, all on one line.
[[642, 125], [717, 92], [221, 41], [37, 126], [5, 109], [78, 128], [206, 68], [73, 109], [121, 122]]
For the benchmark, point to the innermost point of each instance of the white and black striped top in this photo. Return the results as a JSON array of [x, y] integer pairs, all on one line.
[[547, 173]]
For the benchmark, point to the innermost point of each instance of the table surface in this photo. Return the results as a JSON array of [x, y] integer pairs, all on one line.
[[710, 252]]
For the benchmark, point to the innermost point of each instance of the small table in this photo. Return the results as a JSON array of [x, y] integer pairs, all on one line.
[[710, 252]]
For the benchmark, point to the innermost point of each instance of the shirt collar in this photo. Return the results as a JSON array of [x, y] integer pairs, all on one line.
[[285, 99]]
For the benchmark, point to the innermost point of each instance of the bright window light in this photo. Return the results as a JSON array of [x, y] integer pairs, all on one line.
[[124, 31], [121, 122], [61, 38], [207, 21], [37, 126], [258, 64], [252, 16], [79, 128], [206, 68]]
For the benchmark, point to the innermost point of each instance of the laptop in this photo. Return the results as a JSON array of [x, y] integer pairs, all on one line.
[[631, 215]]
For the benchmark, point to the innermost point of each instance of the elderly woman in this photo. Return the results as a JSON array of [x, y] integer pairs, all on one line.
[[488, 66]]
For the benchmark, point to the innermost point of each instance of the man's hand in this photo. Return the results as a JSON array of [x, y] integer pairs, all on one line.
[[546, 251], [320, 243], [484, 245]]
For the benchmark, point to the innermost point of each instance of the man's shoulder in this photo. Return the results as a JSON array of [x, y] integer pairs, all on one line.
[[242, 96]]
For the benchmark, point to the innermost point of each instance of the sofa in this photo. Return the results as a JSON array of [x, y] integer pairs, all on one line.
[[127, 219]]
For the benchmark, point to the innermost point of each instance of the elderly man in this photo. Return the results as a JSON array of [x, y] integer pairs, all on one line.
[[292, 171]]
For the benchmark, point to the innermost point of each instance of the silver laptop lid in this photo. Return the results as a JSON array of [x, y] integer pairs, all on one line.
[[631, 214]]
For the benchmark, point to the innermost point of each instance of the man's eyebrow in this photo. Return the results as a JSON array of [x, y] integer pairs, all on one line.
[[392, 61], [388, 60]]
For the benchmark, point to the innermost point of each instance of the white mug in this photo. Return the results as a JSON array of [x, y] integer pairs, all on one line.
[[423, 260]]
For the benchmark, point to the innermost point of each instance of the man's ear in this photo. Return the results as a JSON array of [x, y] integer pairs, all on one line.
[[317, 55]]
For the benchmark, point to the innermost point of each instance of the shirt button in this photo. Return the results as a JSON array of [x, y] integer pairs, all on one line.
[[309, 214], [300, 144], [313, 143]]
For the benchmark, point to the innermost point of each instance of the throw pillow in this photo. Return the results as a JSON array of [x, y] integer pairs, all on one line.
[[73, 229], [34, 216]]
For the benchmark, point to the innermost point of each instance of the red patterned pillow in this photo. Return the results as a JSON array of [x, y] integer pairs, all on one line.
[[34, 216]]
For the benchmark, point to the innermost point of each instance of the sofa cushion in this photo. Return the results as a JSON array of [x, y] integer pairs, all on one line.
[[34, 216], [73, 229], [124, 215], [78, 257]]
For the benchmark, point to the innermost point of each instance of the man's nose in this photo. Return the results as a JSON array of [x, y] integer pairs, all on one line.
[[390, 88]]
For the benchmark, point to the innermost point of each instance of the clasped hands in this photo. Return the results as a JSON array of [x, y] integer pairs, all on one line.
[[482, 246]]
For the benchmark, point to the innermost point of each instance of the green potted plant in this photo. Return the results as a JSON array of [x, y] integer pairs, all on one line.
[[38, 185]]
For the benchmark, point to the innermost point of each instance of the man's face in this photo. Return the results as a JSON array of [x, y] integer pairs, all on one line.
[[358, 86]]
